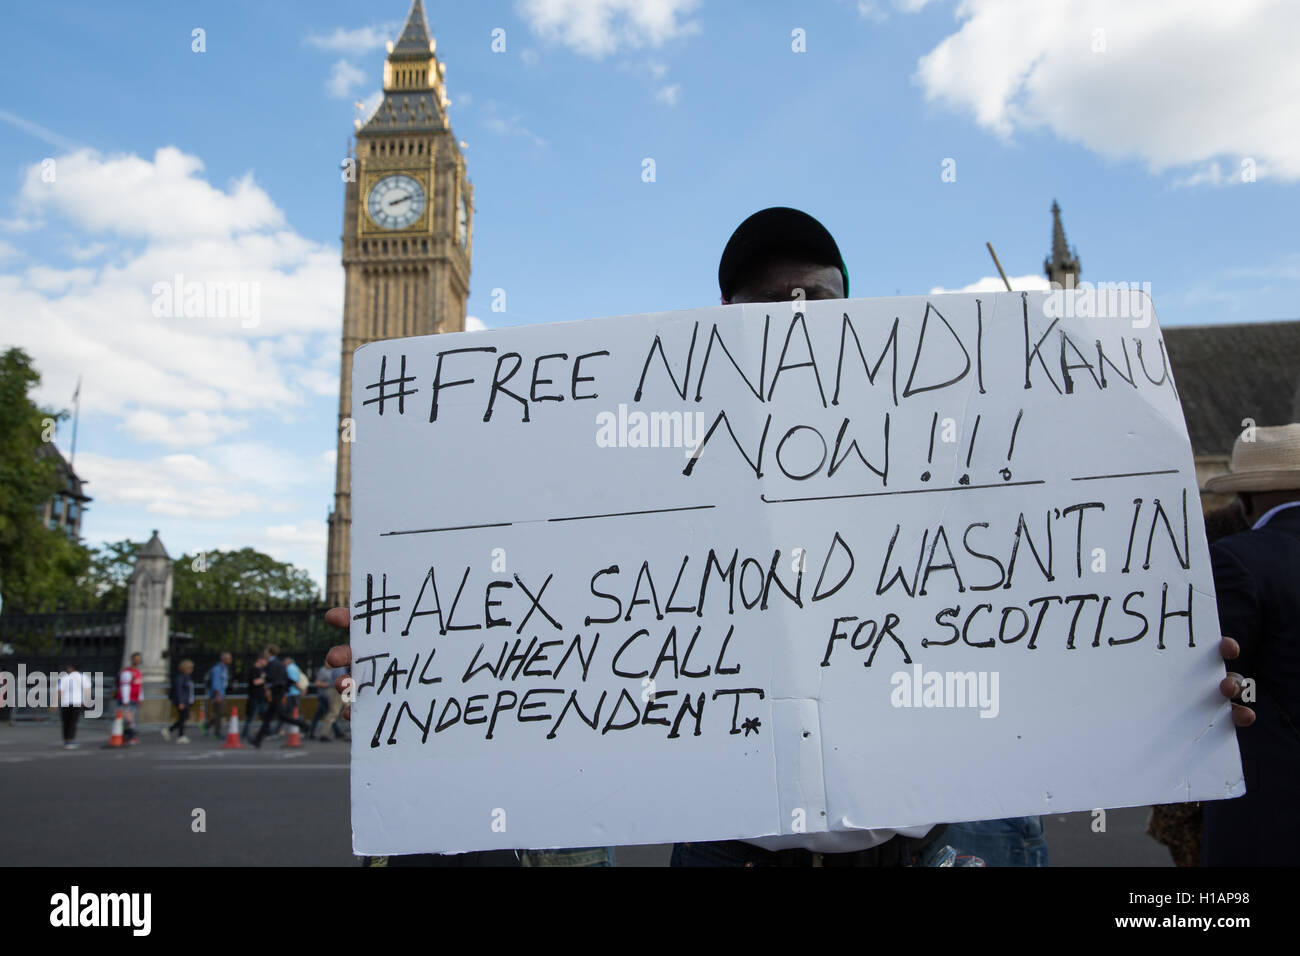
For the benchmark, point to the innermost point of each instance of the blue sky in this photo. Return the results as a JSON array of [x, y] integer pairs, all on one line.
[[1140, 119]]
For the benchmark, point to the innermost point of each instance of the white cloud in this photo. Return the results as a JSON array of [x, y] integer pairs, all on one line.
[[19, 225], [194, 425], [187, 430], [877, 11], [320, 380], [174, 381], [871, 10], [597, 28], [344, 78], [656, 71], [233, 480], [131, 196], [89, 251], [1209, 174], [45, 279], [669, 95], [306, 534], [179, 486], [508, 125], [1171, 84], [474, 324], [1029, 283], [356, 41]]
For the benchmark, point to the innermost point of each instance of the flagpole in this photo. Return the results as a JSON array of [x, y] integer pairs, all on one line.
[[999, 265], [76, 412]]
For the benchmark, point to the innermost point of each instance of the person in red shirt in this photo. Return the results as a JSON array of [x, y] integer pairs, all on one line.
[[130, 685]]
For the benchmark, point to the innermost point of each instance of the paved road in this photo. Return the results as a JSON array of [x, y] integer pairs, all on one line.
[[276, 806]]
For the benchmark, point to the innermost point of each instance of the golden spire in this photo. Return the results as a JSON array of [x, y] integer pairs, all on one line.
[[411, 65]]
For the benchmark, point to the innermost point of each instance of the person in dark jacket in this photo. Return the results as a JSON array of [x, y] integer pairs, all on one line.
[[183, 697], [277, 682], [257, 695], [1257, 581]]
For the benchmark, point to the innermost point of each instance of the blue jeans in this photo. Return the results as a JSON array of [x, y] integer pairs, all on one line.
[[1014, 841], [322, 708], [256, 707], [130, 717]]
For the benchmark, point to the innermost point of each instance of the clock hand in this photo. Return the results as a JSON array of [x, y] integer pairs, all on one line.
[[398, 202]]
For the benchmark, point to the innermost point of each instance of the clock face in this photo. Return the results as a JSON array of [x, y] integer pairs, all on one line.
[[395, 202], [462, 222]]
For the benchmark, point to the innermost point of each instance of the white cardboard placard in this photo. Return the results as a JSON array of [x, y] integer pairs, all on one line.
[[949, 548]]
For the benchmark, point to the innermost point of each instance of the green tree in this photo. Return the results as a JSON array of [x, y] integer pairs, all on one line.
[[38, 565], [217, 596], [208, 580], [110, 573], [216, 579], [248, 580]]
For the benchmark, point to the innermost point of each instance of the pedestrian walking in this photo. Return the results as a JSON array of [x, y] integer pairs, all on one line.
[[217, 681], [130, 685], [258, 696], [325, 710], [74, 688], [183, 697], [298, 683], [277, 679]]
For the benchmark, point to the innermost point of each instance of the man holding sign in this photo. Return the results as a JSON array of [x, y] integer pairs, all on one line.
[[1258, 594], [589, 737]]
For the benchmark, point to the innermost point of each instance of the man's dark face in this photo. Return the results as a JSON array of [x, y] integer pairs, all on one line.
[[782, 279]]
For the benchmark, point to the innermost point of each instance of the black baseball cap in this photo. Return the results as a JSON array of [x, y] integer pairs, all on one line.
[[778, 230]]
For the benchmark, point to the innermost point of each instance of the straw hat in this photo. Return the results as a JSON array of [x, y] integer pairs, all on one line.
[[1269, 463]]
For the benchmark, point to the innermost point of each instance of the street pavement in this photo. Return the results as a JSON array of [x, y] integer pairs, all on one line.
[[280, 806]]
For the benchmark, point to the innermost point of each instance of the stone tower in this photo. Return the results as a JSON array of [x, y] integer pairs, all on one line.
[[407, 225], [1063, 261]]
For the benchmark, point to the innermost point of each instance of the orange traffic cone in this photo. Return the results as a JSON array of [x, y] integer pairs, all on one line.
[[232, 735], [203, 717], [115, 738], [295, 735]]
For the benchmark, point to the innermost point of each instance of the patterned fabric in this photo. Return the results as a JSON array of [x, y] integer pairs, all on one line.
[[590, 856], [1178, 827]]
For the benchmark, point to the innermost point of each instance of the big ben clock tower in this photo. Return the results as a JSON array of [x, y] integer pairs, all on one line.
[[407, 224]]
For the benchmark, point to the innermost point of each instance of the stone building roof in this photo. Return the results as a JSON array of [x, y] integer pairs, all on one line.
[[413, 111], [414, 40], [153, 548], [70, 483], [1227, 373]]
